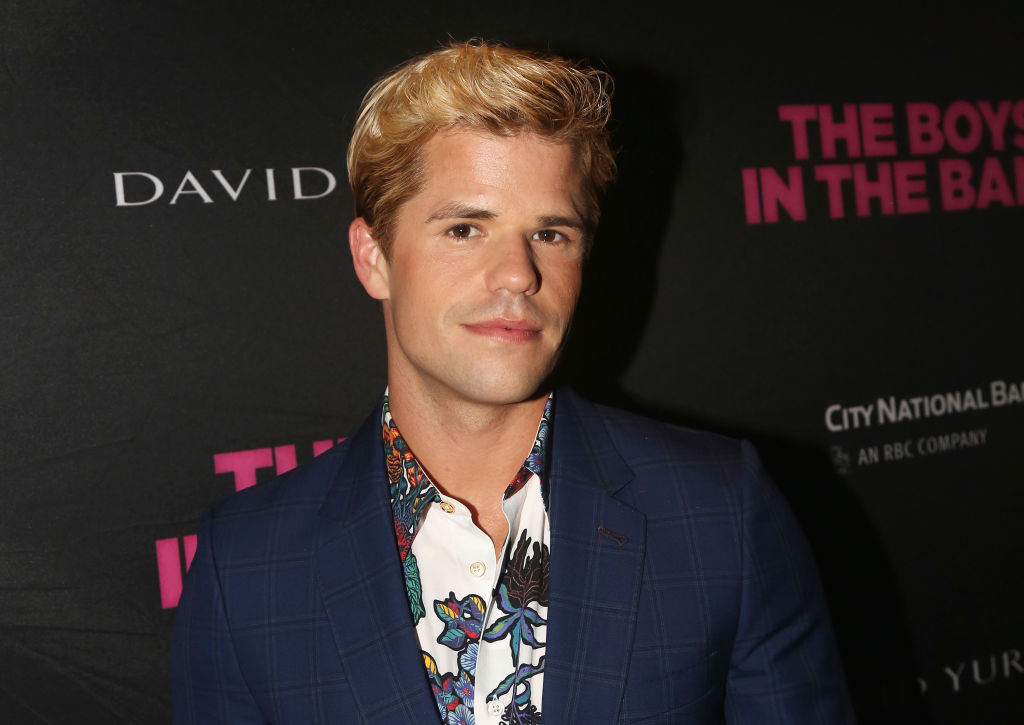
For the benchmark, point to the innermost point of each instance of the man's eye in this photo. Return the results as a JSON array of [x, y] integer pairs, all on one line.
[[462, 231], [549, 236]]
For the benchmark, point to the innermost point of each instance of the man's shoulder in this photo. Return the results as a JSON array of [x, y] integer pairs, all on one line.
[[670, 469], [643, 440], [301, 490], [276, 519]]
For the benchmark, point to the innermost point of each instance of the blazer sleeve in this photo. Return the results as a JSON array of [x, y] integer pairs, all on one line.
[[207, 687], [785, 668]]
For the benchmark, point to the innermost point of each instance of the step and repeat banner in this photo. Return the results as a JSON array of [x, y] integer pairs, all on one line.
[[815, 242]]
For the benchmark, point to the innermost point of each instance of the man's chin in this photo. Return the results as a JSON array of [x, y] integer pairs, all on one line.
[[504, 391]]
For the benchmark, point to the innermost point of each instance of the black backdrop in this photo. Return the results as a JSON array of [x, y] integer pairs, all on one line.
[[162, 349]]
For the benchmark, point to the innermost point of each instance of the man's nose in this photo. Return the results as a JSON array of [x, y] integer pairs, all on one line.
[[511, 266]]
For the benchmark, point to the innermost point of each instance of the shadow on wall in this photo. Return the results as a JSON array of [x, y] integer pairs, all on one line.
[[635, 216], [863, 595], [861, 587]]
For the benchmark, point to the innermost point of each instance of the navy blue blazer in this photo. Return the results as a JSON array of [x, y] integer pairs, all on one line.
[[682, 591]]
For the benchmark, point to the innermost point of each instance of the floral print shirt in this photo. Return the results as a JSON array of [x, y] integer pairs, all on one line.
[[481, 622]]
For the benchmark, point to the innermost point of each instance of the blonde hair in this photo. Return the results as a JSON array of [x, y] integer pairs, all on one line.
[[479, 86]]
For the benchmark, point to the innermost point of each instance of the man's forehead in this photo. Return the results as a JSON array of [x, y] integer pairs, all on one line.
[[475, 174]]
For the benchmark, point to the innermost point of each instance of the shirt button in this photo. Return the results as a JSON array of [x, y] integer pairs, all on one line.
[[447, 507], [477, 568], [494, 707]]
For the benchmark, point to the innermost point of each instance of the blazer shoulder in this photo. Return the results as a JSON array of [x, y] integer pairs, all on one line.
[[641, 440], [306, 485], [271, 520], [673, 468]]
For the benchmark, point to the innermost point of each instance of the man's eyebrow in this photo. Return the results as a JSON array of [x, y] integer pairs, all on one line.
[[457, 210], [573, 222]]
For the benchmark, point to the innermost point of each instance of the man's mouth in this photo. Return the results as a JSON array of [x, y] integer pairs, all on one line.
[[505, 329]]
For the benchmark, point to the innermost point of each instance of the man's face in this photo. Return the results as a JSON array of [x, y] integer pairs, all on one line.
[[485, 269]]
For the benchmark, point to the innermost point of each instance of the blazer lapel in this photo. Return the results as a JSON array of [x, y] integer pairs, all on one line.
[[597, 556], [361, 583]]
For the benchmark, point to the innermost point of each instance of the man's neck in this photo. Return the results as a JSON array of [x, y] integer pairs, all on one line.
[[471, 450]]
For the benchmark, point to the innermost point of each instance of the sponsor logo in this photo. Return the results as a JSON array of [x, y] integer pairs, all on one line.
[[966, 676], [971, 674], [299, 183], [840, 459], [888, 410], [904, 450], [981, 671]]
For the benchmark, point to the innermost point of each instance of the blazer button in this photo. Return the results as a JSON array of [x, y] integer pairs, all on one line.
[[477, 568], [494, 707]]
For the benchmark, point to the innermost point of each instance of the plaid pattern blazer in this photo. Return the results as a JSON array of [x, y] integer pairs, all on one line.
[[682, 591]]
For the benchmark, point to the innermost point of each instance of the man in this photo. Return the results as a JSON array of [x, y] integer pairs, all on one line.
[[484, 550]]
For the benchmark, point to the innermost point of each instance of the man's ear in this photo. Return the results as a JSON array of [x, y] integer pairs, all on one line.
[[368, 260]]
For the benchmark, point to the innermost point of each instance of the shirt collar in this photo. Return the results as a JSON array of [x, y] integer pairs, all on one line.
[[411, 488]]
